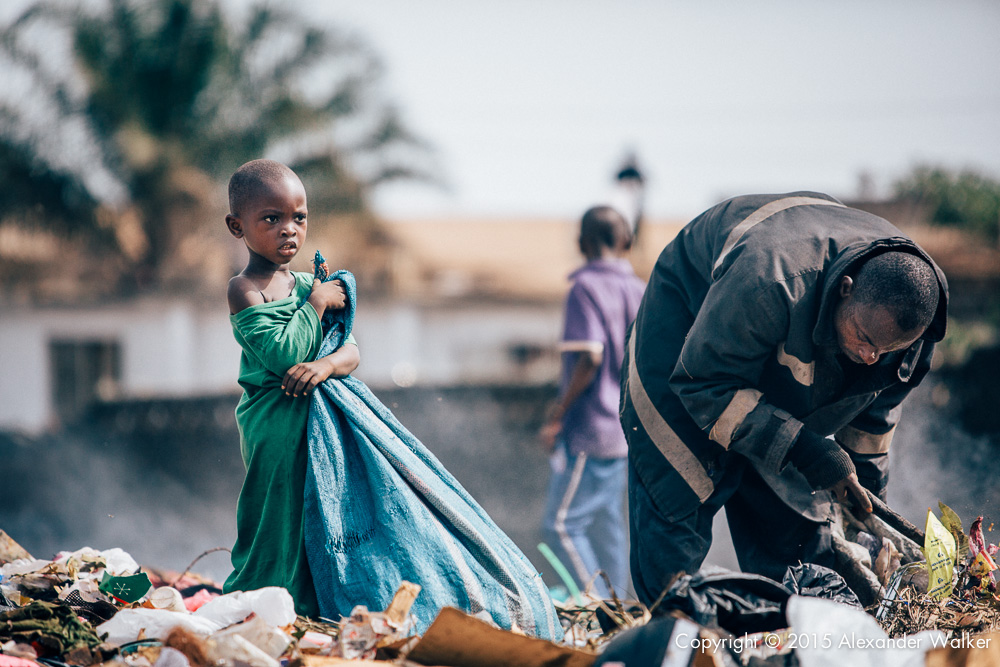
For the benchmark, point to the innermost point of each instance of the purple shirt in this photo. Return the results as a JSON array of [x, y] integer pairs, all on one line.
[[601, 305]]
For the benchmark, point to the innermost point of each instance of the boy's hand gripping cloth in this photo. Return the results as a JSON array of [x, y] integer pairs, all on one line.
[[381, 509]]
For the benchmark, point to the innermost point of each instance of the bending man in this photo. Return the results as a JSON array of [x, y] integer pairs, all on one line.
[[769, 323]]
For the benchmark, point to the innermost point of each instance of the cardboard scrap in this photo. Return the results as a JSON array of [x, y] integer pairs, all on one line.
[[399, 608], [10, 550], [456, 639], [331, 661], [966, 651]]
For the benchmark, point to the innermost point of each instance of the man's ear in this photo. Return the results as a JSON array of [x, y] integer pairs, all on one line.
[[846, 287], [234, 225], [588, 248]]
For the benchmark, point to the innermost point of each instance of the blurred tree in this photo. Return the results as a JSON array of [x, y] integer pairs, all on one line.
[[965, 199], [163, 99], [43, 196]]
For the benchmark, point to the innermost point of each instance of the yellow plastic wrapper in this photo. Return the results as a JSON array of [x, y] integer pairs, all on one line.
[[982, 565], [940, 552]]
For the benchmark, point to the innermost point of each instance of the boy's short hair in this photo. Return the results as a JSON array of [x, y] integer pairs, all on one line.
[[605, 226], [248, 178]]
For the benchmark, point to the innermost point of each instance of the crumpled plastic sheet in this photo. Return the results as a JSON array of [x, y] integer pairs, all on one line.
[[816, 581], [273, 604], [842, 635], [742, 603], [737, 602], [266, 637], [649, 644], [170, 657], [77, 574], [116, 561], [363, 632], [239, 650]]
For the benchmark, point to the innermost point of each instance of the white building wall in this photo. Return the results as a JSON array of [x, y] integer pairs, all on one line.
[[216, 355], [156, 354], [175, 348], [445, 344], [25, 399], [167, 348], [388, 334]]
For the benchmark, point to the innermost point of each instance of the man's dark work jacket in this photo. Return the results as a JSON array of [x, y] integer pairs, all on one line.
[[735, 341]]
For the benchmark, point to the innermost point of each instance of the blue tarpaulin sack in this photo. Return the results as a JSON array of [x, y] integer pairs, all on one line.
[[380, 509]]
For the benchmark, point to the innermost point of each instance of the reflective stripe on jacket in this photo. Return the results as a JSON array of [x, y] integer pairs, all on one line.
[[735, 340]]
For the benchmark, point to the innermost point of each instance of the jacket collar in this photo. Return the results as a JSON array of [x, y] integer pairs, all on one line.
[[824, 333]]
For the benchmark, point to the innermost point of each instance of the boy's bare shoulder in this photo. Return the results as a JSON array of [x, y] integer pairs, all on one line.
[[242, 293]]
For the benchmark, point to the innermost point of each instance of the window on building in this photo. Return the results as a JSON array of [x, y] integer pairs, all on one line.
[[84, 372]]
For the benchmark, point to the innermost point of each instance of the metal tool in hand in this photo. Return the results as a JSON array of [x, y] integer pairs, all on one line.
[[895, 520]]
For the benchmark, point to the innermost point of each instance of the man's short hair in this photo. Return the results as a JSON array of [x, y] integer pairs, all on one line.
[[904, 283], [246, 180], [605, 226]]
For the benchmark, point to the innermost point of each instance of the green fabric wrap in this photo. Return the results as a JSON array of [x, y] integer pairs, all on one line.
[[270, 543]]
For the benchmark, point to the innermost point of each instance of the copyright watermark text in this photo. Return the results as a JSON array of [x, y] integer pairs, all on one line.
[[801, 640]]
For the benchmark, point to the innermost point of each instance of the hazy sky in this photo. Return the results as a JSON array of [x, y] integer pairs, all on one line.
[[532, 104]]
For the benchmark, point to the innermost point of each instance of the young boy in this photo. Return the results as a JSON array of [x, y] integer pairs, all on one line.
[[279, 337], [584, 517], [379, 506]]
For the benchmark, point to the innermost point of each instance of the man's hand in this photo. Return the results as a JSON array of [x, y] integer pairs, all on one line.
[[584, 371], [850, 489], [302, 378], [549, 432]]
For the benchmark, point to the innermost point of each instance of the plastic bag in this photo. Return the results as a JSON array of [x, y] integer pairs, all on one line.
[[261, 634], [816, 581], [940, 552], [737, 602], [829, 634], [234, 649], [648, 644], [272, 604]]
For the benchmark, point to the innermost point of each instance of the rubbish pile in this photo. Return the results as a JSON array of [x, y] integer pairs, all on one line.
[[91, 607], [954, 590]]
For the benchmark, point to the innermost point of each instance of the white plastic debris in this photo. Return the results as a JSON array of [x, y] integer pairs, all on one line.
[[166, 597], [681, 653], [126, 625], [117, 562], [272, 604], [171, 657], [234, 649], [358, 634], [81, 569], [22, 566], [88, 589], [829, 634], [315, 642], [258, 632]]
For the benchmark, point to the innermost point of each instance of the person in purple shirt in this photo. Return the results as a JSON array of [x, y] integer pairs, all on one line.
[[584, 520]]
